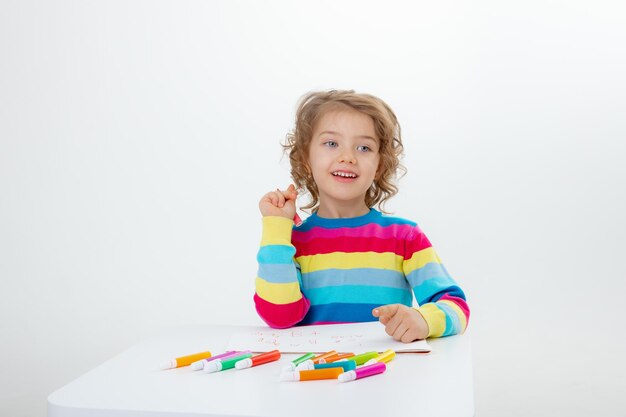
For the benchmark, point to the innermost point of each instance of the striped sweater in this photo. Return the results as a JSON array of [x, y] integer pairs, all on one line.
[[338, 270]]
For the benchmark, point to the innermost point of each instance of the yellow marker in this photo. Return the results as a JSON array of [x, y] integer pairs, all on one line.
[[385, 357], [185, 360]]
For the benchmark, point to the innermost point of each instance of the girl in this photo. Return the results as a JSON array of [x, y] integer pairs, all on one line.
[[348, 262]]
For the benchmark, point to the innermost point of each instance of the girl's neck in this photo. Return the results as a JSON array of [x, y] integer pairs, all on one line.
[[342, 212]]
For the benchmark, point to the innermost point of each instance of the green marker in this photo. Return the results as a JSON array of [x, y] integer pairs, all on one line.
[[363, 357], [219, 365], [296, 362]]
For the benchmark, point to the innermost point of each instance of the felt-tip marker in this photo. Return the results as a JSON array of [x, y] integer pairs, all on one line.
[[294, 363], [185, 360], [387, 356], [329, 373], [362, 372], [258, 360], [222, 365], [348, 365], [198, 365]]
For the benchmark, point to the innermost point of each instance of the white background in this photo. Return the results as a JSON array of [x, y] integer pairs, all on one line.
[[137, 137]]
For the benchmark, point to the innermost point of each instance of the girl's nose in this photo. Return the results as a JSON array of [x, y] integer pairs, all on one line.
[[348, 157]]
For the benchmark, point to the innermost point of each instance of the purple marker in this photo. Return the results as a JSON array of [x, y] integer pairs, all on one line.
[[198, 365], [363, 371]]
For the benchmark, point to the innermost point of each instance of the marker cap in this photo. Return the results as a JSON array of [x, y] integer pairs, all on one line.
[[244, 363], [168, 364]]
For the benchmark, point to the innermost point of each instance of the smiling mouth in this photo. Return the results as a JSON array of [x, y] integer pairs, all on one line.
[[344, 174]]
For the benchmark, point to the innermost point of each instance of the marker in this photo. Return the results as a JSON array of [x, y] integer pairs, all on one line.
[[338, 356], [307, 364], [220, 365], [329, 373], [348, 365], [185, 360], [386, 357], [363, 357], [297, 220], [258, 360], [196, 366], [363, 372], [298, 361], [323, 356]]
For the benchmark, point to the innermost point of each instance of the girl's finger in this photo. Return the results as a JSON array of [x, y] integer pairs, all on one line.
[[281, 198]]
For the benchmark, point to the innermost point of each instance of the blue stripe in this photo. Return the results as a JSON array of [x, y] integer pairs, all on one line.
[[278, 273], [340, 312], [276, 254], [360, 294], [453, 326], [374, 216], [357, 276], [432, 289], [428, 271]]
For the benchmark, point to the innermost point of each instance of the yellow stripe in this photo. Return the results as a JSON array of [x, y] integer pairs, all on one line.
[[276, 231], [458, 312], [435, 318], [419, 259], [342, 260], [278, 293]]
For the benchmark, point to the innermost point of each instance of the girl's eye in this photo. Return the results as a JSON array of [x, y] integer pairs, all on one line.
[[331, 144], [363, 148]]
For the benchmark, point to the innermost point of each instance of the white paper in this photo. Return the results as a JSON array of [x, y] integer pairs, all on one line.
[[352, 337]]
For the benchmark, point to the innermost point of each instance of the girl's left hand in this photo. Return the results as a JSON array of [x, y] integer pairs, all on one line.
[[403, 323]]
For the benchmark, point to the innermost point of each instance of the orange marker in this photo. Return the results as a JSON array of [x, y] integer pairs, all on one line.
[[323, 356], [258, 360], [328, 373], [185, 360], [337, 356]]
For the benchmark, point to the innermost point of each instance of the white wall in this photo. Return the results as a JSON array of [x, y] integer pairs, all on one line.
[[137, 137]]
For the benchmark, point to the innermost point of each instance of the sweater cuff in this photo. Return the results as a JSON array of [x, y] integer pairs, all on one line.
[[435, 318], [276, 231]]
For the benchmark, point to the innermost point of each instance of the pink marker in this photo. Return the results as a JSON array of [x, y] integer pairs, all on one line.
[[297, 220], [198, 365], [363, 371]]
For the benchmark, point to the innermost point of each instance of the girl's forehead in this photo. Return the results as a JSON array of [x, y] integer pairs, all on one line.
[[345, 119]]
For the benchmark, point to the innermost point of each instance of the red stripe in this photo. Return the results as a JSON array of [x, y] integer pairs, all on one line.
[[459, 302], [348, 244], [281, 316]]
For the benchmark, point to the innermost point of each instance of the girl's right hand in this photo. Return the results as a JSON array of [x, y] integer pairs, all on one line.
[[279, 203]]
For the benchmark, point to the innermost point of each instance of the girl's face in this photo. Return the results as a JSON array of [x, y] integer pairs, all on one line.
[[343, 157]]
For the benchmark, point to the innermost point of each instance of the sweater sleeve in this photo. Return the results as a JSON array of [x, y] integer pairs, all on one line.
[[441, 301], [278, 298]]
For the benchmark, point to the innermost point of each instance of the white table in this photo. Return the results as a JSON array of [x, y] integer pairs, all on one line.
[[131, 385]]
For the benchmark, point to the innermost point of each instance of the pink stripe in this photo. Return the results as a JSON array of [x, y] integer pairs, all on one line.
[[352, 245], [397, 231], [459, 302], [280, 316]]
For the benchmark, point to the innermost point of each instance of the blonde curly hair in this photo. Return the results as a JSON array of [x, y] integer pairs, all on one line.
[[311, 108]]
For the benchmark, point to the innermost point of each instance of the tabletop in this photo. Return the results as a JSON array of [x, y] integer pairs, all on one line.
[[439, 383]]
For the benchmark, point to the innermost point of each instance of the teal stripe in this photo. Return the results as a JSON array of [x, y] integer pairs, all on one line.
[[431, 288], [374, 216], [363, 294], [453, 325], [276, 254], [358, 276], [428, 271], [278, 273]]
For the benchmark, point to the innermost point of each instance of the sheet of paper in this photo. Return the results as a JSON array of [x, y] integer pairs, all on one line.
[[352, 337]]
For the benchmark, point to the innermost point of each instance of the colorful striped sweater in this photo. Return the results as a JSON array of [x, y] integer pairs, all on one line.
[[338, 270]]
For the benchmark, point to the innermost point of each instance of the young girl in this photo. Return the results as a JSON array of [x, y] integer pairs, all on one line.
[[348, 262]]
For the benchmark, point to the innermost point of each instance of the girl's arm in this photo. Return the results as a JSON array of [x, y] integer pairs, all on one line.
[[278, 298], [441, 301]]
